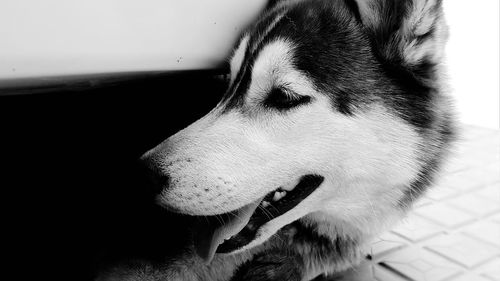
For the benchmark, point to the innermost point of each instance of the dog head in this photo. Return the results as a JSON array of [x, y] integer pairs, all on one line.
[[328, 110]]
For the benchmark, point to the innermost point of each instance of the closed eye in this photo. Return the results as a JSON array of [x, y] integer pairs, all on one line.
[[282, 99]]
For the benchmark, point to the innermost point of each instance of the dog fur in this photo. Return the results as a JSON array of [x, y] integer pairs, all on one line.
[[350, 91]]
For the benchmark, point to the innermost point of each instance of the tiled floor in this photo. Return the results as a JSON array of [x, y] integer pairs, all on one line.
[[454, 231]]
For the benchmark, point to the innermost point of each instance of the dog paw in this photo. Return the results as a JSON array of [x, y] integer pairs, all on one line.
[[271, 267]]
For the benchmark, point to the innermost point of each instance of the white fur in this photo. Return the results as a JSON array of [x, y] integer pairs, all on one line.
[[367, 12], [225, 161], [238, 56], [419, 20], [371, 165], [273, 67]]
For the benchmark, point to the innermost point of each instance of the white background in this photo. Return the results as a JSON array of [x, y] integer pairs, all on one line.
[[473, 59], [64, 37]]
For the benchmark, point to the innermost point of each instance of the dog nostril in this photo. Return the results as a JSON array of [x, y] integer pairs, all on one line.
[[158, 180]]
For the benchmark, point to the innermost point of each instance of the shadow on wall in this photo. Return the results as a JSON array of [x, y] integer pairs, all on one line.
[[73, 183]]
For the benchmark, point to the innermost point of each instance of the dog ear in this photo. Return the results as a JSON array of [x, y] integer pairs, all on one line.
[[407, 32]]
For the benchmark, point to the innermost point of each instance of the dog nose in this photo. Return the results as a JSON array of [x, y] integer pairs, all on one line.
[[158, 179]]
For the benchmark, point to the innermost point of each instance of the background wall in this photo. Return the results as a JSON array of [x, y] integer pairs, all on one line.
[[66, 37], [473, 59]]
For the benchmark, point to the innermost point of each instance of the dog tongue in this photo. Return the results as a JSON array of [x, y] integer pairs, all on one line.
[[212, 234]]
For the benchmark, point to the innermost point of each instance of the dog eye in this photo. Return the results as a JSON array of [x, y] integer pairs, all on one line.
[[280, 99]]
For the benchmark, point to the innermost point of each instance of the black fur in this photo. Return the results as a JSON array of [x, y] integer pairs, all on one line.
[[236, 92], [350, 62], [298, 245], [330, 50], [352, 5], [321, 248], [447, 134], [274, 265]]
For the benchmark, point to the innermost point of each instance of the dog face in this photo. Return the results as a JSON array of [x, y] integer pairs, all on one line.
[[327, 112]]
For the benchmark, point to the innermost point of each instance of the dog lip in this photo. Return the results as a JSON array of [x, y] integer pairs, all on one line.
[[213, 233], [305, 187]]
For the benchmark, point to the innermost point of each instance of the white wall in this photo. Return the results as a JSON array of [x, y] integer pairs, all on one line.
[[473, 59], [65, 37]]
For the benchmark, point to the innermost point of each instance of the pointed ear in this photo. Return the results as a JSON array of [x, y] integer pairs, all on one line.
[[409, 32]]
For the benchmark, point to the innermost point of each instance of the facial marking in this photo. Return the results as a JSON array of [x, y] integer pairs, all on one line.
[[274, 70], [244, 57], [259, 36], [238, 56], [272, 62]]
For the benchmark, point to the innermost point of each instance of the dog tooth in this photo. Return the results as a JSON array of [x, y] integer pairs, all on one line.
[[265, 204], [276, 196]]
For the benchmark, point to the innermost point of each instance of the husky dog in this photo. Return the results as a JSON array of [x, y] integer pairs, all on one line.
[[334, 122]]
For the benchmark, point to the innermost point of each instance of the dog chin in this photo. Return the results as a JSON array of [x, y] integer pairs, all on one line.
[[256, 222]]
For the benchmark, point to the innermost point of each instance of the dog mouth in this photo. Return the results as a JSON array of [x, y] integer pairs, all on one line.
[[226, 233]]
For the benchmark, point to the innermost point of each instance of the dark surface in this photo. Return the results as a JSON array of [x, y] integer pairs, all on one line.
[[76, 196]]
